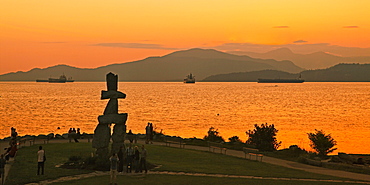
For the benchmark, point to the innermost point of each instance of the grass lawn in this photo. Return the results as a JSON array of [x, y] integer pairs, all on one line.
[[180, 160], [24, 168]]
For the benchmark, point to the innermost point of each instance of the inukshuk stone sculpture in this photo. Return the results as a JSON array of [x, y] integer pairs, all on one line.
[[102, 133]]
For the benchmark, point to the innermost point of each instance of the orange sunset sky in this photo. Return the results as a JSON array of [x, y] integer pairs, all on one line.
[[93, 33]]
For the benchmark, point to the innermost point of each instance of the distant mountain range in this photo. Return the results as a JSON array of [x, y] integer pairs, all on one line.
[[337, 73], [318, 60], [212, 65], [171, 67]]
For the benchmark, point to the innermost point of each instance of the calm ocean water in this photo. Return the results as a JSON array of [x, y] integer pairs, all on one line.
[[189, 110]]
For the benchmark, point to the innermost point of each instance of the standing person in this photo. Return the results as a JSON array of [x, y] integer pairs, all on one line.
[[130, 157], [113, 168], [12, 150], [78, 133], [13, 133], [74, 134], [136, 159], [151, 132], [2, 166], [121, 159], [70, 134], [147, 133], [130, 136], [144, 153], [40, 160]]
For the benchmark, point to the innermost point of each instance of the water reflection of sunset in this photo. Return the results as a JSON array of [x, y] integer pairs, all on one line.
[[339, 109]]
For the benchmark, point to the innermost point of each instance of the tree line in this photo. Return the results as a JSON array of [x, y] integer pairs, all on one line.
[[263, 138]]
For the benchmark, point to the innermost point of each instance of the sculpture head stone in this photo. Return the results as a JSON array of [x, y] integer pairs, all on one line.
[[112, 81]]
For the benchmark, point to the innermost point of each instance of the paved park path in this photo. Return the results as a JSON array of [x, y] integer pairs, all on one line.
[[357, 178], [99, 173], [291, 164]]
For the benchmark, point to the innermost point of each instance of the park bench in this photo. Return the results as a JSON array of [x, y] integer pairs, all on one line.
[[23, 141], [175, 141], [88, 137], [252, 156], [213, 147], [46, 141]]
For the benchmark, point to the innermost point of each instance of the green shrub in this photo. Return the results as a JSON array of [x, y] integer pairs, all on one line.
[[263, 137], [322, 143], [75, 158], [89, 163]]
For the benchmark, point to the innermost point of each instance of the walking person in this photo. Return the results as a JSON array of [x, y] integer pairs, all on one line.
[[40, 160], [113, 168], [2, 170], [142, 165]]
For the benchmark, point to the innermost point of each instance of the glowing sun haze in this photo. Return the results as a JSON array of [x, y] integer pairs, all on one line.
[[93, 33]]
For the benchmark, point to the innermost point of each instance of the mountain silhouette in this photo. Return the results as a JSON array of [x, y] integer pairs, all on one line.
[[337, 73], [172, 67], [317, 60], [280, 52]]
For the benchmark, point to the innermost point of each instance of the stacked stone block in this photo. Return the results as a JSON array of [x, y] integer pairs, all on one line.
[[102, 133]]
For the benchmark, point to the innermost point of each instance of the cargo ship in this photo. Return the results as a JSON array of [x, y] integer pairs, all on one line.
[[261, 80], [61, 79], [278, 80], [189, 79]]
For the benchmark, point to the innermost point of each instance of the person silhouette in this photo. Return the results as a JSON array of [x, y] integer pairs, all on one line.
[[113, 168], [40, 160]]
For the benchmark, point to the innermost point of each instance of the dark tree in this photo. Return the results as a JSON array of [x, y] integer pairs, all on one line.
[[213, 136], [323, 144], [263, 137], [235, 139]]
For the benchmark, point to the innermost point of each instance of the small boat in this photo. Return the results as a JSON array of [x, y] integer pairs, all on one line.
[[189, 79], [61, 79]]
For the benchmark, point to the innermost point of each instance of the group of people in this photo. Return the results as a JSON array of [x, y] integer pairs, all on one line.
[[74, 134], [12, 149], [133, 159], [9, 152], [129, 160]]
